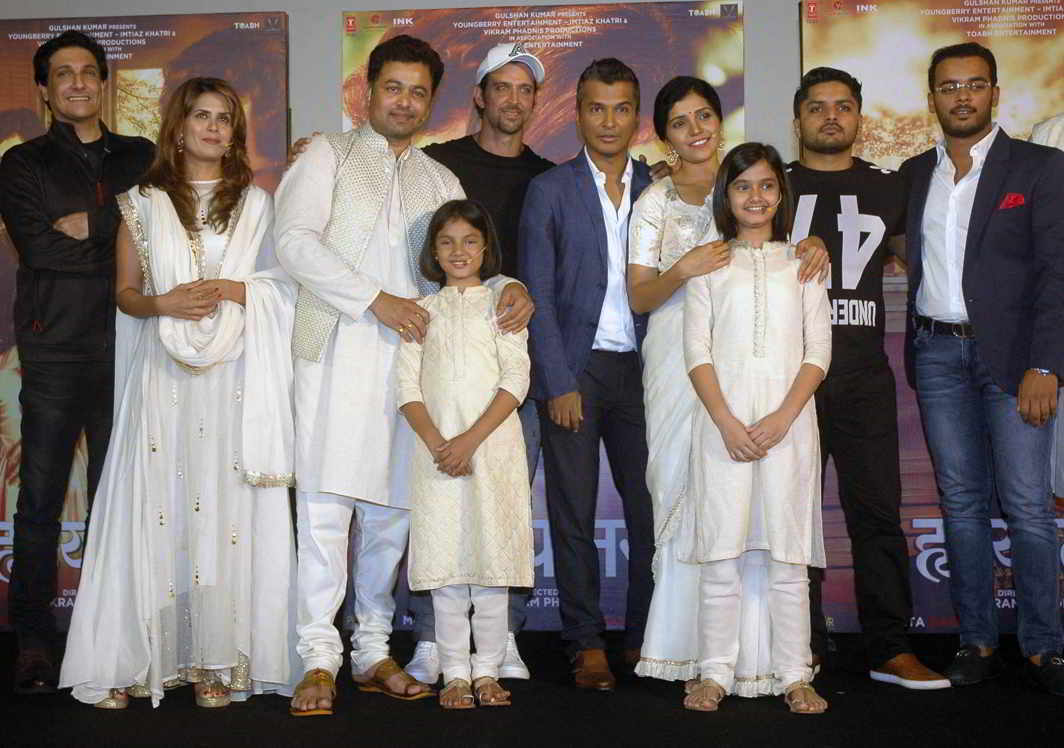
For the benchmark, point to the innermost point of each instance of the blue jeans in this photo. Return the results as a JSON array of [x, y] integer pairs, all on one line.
[[977, 442]]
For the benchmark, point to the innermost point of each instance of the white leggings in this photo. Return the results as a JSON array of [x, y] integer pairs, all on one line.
[[451, 605], [722, 625]]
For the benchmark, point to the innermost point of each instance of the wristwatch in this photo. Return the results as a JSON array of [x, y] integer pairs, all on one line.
[[1043, 372]]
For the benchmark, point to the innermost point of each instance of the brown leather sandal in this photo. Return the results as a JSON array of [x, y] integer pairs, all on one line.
[[316, 678], [377, 682], [489, 692]]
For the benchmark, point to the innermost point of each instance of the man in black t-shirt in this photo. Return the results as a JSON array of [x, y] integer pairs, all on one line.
[[494, 166], [858, 210]]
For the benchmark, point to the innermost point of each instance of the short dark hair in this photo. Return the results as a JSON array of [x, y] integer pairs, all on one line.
[[675, 90], [477, 216], [608, 70], [739, 159], [43, 56], [967, 49], [405, 48], [816, 76]]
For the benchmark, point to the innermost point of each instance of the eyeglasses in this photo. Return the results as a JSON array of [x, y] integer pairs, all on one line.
[[952, 87]]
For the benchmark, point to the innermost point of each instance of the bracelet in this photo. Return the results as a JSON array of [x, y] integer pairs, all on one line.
[[1043, 372]]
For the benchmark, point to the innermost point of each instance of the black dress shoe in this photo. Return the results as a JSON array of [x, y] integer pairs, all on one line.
[[35, 672], [1049, 676], [969, 668]]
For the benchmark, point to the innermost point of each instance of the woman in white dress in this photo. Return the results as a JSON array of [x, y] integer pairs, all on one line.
[[757, 343], [673, 239], [190, 561], [471, 515]]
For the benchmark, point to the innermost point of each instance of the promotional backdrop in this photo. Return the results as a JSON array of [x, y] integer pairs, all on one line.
[[658, 41], [887, 45], [148, 57]]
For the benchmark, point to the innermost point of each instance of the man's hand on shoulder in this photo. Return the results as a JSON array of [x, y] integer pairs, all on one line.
[[75, 225], [1036, 401], [515, 308], [404, 316]]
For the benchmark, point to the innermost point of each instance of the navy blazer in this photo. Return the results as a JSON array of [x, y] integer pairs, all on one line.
[[1013, 275], [562, 260]]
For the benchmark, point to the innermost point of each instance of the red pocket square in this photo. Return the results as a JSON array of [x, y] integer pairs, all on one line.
[[1011, 200]]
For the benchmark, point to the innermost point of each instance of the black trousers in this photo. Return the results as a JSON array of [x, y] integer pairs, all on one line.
[[59, 400], [611, 388], [858, 419]]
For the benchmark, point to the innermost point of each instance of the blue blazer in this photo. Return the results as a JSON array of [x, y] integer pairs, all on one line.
[[1013, 275], [562, 260]]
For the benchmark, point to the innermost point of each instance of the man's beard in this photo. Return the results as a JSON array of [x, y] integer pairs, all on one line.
[[964, 129], [826, 147], [513, 127]]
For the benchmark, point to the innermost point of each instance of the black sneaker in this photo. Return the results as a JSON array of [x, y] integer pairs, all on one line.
[[1049, 676], [969, 668]]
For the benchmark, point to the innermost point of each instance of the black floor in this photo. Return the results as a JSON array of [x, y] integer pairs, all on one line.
[[549, 712]]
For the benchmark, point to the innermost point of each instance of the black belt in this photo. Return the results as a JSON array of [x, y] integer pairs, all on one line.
[[936, 327]]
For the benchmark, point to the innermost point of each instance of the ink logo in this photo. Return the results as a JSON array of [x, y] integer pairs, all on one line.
[[729, 10], [867, 8], [811, 11], [350, 24], [403, 21]]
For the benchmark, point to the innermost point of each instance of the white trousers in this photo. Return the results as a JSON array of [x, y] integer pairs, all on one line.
[[489, 624], [323, 524], [721, 620]]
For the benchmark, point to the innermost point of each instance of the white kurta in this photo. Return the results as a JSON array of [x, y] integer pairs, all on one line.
[[188, 566], [475, 529], [756, 324], [663, 229], [350, 438]]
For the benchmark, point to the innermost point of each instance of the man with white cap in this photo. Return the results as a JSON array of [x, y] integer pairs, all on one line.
[[494, 167]]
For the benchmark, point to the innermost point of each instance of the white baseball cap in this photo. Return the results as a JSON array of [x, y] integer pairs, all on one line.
[[502, 54]]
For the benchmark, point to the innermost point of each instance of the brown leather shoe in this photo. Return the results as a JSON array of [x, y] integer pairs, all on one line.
[[908, 672], [591, 671], [35, 671]]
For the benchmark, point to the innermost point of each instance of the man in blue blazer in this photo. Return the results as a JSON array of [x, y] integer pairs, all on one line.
[[586, 371], [984, 349]]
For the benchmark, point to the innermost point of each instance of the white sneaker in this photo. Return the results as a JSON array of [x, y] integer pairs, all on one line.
[[512, 664], [424, 666]]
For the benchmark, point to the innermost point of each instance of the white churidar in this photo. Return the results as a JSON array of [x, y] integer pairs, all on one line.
[[453, 625]]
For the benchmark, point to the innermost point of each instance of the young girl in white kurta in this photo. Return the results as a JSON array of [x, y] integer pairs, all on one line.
[[757, 343], [471, 521]]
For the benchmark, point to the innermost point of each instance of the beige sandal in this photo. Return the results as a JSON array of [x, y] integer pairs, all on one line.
[[802, 698], [704, 695], [490, 693], [211, 692], [457, 695], [117, 698]]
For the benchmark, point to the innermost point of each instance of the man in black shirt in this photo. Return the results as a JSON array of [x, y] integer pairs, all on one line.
[[858, 209], [57, 198], [494, 166]]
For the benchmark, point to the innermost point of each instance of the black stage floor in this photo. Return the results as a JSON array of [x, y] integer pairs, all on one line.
[[548, 711]]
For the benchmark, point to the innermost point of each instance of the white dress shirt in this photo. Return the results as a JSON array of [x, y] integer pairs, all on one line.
[[947, 213], [616, 330]]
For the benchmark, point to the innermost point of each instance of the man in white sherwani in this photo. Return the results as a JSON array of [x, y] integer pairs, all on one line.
[[352, 215], [1051, 133]]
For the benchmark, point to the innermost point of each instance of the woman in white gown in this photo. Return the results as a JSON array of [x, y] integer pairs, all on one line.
[[189, 567], [672, 239]]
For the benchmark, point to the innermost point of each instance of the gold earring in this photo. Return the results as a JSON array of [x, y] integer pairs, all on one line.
[[721, 146], [228, 151], [180, 143], [672, 157]]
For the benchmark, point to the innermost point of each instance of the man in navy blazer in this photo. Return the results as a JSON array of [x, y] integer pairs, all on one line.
[[586, 371], [984, 349]]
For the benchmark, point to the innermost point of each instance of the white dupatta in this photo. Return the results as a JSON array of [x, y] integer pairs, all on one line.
[[260, 330]]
